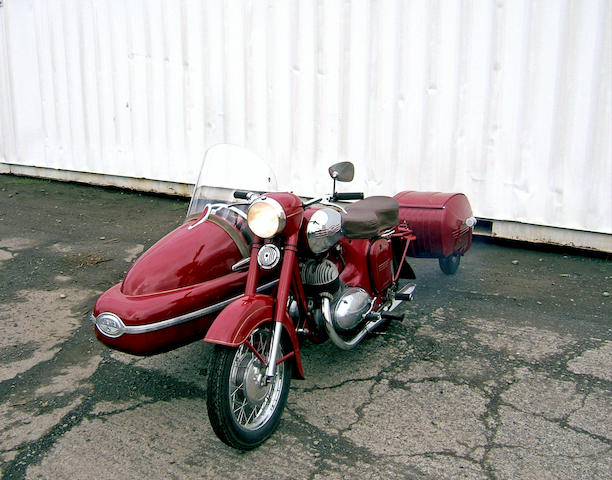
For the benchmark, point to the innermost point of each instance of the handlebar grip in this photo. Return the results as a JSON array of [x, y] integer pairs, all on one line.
[[241, 194], [349, 196]]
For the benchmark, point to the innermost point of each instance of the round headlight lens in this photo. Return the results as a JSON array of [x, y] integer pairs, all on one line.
[[266, 218]]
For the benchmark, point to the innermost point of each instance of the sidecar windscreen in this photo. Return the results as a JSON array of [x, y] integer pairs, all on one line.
[[226, 169]]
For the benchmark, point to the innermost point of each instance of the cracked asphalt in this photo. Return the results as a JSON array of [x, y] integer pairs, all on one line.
[[502, 371]]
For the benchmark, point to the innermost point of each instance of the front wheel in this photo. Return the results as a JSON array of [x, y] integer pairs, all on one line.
[[244, 407], [450, 264]]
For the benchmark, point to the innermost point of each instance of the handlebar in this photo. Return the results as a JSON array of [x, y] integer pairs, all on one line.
[[241, 194], [249, 196], [349, 196]]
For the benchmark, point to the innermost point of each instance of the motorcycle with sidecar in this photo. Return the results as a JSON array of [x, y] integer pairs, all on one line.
[[255, 271]]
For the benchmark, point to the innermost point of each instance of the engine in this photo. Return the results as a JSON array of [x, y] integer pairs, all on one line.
[[348, 304]]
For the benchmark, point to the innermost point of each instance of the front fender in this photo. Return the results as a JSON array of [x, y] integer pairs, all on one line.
[[235, 323]]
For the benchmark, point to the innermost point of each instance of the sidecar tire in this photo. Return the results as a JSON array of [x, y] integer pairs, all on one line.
[[450, 264], [219, 404]]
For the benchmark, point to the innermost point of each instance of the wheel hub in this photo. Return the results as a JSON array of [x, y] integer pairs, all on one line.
[[256, 387]]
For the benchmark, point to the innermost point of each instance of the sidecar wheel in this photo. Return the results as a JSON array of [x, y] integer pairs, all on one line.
[[242, 411], [450, 264]]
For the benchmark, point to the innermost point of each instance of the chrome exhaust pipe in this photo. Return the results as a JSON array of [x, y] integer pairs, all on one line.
[[333, 335]]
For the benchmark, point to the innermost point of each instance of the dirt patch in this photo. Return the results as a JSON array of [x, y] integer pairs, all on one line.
[[35, 326]]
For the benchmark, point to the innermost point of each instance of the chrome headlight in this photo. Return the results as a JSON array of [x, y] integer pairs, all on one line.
[[110, 325], [324, 230], [266, 218]]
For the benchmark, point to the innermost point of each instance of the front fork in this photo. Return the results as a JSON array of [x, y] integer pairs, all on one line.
[[276, 338], [284, 284]]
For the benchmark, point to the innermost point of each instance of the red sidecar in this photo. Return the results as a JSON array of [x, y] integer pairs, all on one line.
[[173, 292]]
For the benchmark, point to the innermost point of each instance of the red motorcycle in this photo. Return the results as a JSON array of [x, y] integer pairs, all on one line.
[[254, 271]]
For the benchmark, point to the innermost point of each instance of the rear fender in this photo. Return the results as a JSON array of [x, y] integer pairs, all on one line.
[[235, 323]]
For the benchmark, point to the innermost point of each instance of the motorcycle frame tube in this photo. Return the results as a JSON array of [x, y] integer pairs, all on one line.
[[406, 235], [306, 318]]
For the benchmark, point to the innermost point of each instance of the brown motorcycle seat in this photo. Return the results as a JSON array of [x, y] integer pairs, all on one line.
[[367, 218]]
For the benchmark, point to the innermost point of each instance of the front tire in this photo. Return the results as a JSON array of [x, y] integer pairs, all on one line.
[[243, 410]]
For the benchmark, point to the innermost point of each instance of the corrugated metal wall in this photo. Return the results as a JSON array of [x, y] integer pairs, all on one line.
[[508, 101]]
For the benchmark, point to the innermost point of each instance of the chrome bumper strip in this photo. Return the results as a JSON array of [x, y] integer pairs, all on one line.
[[187, 317]]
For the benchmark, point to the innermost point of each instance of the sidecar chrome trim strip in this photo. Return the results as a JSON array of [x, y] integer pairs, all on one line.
[[171, 322]]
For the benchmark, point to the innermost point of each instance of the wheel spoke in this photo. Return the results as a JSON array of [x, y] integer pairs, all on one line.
[[252, 415], [236, 390], [241, 412]]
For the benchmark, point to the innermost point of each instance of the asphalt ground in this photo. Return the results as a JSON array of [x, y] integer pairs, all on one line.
[[501, 371]]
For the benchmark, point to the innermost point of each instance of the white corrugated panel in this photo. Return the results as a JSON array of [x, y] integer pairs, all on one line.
[[507, 101]]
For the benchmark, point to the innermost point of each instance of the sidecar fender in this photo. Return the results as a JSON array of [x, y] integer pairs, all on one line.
[[234, 324]]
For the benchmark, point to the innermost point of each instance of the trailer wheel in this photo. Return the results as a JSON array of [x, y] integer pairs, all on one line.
[[450, 264]]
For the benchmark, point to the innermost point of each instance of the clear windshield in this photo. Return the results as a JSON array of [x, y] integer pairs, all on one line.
[[226, 169]]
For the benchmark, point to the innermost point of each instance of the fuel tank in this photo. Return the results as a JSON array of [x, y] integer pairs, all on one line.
[[439, 222], [173, 292]]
